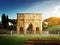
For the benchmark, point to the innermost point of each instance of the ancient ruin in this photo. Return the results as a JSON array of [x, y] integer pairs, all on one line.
[[29, 23]]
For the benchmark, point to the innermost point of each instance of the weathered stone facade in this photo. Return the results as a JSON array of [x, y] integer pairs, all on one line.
[[29, 23]]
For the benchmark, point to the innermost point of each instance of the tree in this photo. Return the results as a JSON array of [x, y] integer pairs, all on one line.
[[56, 27], [12, 21], [52, 21], [45, 25], [0, 25], [4, 21]]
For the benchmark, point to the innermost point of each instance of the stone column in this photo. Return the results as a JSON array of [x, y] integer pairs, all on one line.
[[40, 29], [18, 30], [34, 30], [25, 31], [24, 26]]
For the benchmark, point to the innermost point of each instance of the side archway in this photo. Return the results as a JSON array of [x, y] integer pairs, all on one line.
[[37, 30], [21, 30]]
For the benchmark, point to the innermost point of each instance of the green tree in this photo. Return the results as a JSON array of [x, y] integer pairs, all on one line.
[[4, 21], [56, 27], [52, 22], [13, 21], [0, 25]]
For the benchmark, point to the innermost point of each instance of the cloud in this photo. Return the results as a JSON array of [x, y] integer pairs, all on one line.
[[55, 11], [47, 8]]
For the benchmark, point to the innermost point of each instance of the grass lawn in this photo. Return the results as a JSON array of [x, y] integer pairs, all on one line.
[[20, 39]]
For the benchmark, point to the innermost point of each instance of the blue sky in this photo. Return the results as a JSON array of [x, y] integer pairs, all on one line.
[[48, 8]]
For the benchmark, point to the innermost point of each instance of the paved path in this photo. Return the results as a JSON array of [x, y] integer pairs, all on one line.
[[42, 42]]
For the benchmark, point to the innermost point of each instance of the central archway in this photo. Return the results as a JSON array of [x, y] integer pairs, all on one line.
[[29, 28]]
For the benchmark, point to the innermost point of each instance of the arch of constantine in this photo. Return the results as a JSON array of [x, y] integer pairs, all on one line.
[[29, 23]]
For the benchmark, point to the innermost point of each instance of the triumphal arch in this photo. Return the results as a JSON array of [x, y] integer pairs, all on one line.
[[29, 23]]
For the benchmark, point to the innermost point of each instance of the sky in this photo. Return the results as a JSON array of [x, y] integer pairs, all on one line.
[[48, 8]]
